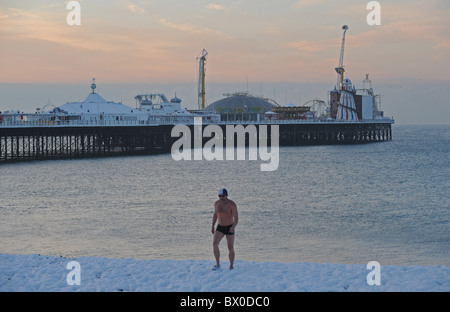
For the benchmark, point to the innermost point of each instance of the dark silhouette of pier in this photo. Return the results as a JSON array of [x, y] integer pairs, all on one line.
[[24, 143]]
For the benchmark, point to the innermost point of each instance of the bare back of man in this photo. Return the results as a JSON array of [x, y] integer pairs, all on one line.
[[226, 216]]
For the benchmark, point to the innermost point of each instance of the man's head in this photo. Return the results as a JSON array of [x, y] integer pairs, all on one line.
[[223, 193]]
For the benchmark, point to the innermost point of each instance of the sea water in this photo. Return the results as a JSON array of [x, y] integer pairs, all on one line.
[[387, 202]]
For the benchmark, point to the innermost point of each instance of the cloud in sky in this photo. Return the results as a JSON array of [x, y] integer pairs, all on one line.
[[214, 6], [192, 28], [305, 3], [135, 8], [307, 46], [282, 40]]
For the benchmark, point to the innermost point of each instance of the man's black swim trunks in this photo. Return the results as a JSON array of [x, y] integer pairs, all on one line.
[[225, 229]]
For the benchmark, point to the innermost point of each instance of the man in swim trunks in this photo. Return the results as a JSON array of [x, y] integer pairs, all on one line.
[[226, 216]]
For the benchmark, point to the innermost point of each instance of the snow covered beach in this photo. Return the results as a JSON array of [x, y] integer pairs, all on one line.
[[36, 273]]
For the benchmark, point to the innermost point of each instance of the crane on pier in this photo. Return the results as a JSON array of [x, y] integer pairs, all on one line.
[[201, 58], [340, 69]]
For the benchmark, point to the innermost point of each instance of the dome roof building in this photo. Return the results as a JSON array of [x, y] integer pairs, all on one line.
[[240, 106]]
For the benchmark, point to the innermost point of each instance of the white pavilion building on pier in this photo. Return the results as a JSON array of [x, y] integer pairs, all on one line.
[[95, 108]]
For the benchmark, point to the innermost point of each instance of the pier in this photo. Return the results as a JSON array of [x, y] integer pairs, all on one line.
[[22, 141]]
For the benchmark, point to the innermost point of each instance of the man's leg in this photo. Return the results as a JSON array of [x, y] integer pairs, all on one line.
[[230, 243], [216, 240]]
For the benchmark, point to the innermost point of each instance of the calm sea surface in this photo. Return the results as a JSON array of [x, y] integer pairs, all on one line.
[[388, 202]]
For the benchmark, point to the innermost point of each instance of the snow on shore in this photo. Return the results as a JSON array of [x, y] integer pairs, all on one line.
[[29, 273]]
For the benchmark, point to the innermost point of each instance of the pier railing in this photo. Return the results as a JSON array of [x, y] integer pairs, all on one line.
[[171, 121]]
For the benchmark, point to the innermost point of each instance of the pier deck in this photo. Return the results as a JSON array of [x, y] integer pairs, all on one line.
[[22, 142]]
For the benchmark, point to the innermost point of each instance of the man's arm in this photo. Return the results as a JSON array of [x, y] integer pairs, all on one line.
[[214, 219], [235, 217]]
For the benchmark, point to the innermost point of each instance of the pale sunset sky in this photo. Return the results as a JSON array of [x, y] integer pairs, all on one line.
[[280, 48]]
